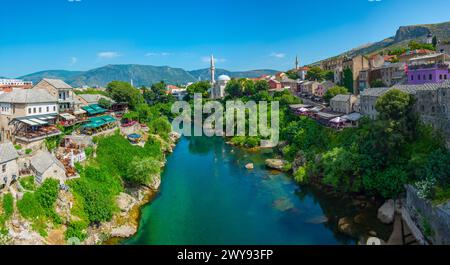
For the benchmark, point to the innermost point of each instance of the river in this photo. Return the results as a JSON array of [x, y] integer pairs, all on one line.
[[208, 197]]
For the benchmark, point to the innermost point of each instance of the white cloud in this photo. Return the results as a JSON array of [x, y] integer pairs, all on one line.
[[73, 60], [158, 54], [108, 55], [74, 1], [278, 55], [207, 59]]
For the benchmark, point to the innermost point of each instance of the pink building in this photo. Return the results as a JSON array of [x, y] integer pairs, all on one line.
[[322, 88]]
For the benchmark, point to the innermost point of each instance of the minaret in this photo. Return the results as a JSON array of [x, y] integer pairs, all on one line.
[[213, 71], [296, 62]]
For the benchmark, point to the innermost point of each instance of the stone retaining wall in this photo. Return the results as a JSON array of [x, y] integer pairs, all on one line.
[[432, 222]]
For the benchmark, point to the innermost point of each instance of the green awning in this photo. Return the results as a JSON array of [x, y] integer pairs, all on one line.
[[94, 109], [108, 119]]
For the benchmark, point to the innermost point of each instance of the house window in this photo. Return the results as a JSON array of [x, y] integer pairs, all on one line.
[[430, 77], [440, 77], [412, 77], [54, 108], [422, 108], [40, 109], [432, 109], [48, 109], [29, 110], [3, 168], [445, 77], [418, 77], [34, 110]]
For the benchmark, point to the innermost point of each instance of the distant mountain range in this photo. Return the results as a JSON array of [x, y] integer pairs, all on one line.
[[404, 35], [142, 75]]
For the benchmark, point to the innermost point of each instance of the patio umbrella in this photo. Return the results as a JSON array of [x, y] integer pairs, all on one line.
[[338, 120]]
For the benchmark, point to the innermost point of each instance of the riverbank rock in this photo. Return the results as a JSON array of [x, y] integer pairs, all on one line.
[[359, 219], [123, 231], [278, 164], [125, 202], [386, 212], [250, 166], [346, 226], [299, 161]]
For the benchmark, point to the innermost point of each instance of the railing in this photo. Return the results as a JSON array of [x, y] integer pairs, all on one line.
[[37, 135], [428, 66]]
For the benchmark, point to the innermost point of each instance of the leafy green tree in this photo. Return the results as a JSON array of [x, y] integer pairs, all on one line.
[[348, 79], [328, 75], [234, 89], [314, 74], [262, 85], [394, 105], [414, 45], [340, 170], [160, 126], [292, 74], [435, 41], [334, 91], [201, 87], [124, 92], [377, 83], [389, 183], [437, 167], [104, 103], [143, 170]]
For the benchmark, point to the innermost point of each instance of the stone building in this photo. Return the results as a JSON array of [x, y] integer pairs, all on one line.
[[28, 115], [393, 73], [443, 47], [61, 90], [343, 103], [356, 65], [9, 169], [45, 166], [432, 103]]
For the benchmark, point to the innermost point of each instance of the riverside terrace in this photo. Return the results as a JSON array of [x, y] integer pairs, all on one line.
[[98, 124], [34, 128], [326, 117]]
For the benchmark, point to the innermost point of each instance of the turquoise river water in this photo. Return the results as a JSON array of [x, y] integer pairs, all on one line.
[[208, 197]]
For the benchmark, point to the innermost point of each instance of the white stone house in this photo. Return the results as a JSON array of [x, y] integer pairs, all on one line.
[[9, 169], [343, 103], [45, 165]]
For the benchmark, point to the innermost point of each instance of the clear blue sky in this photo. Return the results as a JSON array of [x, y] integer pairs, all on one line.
[[242, 34]]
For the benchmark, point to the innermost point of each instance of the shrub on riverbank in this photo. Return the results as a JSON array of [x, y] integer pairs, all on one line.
[[39, 206]]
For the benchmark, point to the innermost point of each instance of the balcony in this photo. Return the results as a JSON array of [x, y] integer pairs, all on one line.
[[441, 66]]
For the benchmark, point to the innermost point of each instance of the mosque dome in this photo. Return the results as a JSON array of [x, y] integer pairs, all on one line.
[[224, 78]]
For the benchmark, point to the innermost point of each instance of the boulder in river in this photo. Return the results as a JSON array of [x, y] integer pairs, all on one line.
[[283, 204], [386, 212], [278, 164], [249, 166]]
